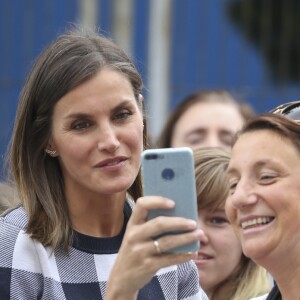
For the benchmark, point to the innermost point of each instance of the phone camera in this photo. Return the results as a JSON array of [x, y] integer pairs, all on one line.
[[151, 156], [168, 174]]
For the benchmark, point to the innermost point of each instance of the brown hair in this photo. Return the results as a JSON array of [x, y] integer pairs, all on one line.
[[249, 279], [280, 124], [214, 96], [72, 58]]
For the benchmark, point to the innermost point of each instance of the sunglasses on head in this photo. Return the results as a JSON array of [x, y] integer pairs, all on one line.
[[290, 110]]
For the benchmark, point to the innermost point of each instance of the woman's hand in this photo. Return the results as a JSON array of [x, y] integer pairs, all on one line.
[[139, 258]]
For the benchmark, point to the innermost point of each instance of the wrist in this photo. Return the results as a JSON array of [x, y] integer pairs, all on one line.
[[119, 294]]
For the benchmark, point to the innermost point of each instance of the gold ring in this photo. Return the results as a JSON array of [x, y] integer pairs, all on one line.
[[156, 245]]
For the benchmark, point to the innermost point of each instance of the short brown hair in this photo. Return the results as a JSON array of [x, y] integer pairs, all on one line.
[[280, 124]]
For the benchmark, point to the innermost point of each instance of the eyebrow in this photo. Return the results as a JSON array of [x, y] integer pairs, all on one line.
[[123, 103], [196, 130], [80, 115], [227, 131], [204, 129], [218, 210], [259, 164]]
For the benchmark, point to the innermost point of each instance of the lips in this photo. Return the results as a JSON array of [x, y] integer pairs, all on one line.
[[202, 260], [256, 222], [203, 256], [111, 162]]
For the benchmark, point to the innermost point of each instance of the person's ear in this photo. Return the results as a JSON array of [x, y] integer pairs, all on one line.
[[50, 150], [141, 99]]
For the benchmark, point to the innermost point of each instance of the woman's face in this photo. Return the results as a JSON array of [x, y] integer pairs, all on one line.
[[220, 251], [207, 124], [263, 206], [97, 131]]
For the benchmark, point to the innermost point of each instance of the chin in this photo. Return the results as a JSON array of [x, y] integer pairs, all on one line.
[[252, 251], [119, 188]]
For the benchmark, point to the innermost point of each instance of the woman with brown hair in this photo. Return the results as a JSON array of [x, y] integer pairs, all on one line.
[[225, 273], [263, 208], [79, 133]]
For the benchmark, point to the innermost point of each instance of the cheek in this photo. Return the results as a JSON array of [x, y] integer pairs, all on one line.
[[229, 210], [72, 159], [135, 138], [177, 139], [235, 247], [228, 242], [232, 249], [235, 242], [73, 149]]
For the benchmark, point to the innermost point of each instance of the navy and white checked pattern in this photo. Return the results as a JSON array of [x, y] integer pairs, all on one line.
[[28, 270]]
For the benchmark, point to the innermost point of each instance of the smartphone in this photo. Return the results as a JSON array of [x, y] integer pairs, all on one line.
[[169, 172]]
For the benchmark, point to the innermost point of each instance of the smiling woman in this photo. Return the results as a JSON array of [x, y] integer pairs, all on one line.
[[263, 206], [75, 157], [225, 273]]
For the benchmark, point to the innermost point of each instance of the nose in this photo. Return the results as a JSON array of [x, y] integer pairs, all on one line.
[[244, 195], [108, 140], [204, 236], [213, 140]]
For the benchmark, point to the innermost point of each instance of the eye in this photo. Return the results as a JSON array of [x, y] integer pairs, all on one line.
[[123, 114], [232, 185], [227, 139], [81, 125], [195, 138], [218, 220], [267, 178]]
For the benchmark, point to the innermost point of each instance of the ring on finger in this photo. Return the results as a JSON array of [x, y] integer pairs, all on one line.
[[157, 247]]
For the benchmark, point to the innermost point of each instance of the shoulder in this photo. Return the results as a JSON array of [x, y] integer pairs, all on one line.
[[15, 217], [12, 223], [12, 229], [184, 281], [16, 246], [260, 297], [188, 268], [189, 281]]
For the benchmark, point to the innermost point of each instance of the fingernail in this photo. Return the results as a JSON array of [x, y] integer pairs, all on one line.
[[170, 203], [192, 224], [198, 233]]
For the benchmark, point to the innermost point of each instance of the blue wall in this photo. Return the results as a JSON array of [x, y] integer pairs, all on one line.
[[207, 51], [25, 28]]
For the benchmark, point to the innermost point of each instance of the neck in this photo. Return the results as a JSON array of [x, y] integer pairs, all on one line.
[[98, 216], [286, 273], [288, 285], [221, 292]]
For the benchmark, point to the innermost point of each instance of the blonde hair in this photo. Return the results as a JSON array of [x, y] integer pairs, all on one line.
[[249, 279]]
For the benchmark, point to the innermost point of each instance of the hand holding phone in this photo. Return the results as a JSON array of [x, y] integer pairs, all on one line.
[[169, 172]]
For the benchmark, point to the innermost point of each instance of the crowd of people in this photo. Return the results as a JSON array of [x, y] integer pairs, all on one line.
[[74, 225]]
